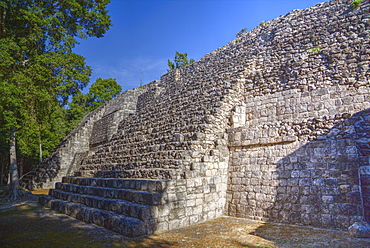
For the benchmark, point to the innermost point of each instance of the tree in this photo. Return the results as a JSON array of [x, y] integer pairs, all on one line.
[[77, 109], [100, 92], [14, 179], [38, 71], [181, 60]]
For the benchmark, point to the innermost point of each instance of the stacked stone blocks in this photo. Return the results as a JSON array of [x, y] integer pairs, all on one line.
[[262, 128], [123, 205]]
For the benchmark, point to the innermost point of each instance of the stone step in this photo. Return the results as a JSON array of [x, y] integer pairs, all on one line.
[[135, 196], [148, 185], [152, 173], [127, 226], [26, 178], [26, 181], [121, 207]]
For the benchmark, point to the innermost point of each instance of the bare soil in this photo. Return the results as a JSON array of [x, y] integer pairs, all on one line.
[[24, 223]]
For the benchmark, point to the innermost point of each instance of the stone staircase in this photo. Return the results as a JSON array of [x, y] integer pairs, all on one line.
[[27, 179], [126, 206], [149, 173]]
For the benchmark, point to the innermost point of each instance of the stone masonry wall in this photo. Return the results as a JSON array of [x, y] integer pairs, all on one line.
[[117, 109], [60, 161], [295, 166], [361, 124], [67, 156], [179, 129], [170, 137], [294, 156], [266, 127]]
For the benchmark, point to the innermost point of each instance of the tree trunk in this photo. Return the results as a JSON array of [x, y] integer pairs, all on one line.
[[40, 151], [13, 170]]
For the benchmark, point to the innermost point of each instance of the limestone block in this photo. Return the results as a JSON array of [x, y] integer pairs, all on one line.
[[360, 230], [162, 226], [364, 170]]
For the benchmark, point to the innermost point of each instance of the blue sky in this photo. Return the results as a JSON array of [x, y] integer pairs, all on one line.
[[146, 33]]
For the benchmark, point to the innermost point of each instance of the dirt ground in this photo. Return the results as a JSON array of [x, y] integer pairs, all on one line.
[[24, 223]]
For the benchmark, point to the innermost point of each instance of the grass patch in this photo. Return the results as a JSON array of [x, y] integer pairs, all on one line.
[[356, 4], [315, 49]]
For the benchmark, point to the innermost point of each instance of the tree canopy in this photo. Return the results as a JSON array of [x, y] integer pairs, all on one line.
[[39, 73], [180, 60], [100, 92]]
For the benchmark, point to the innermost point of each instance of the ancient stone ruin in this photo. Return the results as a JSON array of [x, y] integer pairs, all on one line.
[[274, 126]]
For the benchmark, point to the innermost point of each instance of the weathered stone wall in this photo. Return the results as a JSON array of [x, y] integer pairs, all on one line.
[[116, 110], [361, 124], [61, 161], [171, 137], [282, 95], [296, 166], [264, 127], [293, 143], [95, 128]]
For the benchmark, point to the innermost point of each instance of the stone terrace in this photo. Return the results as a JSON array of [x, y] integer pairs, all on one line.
[[272, 126]]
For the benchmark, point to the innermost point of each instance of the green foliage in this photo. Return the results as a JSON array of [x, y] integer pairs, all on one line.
[[99, 93], [102, 91], [315, 49], [181, 60], [356, 3], [77, 109], [38, 70], [261, 23], [241, 32]]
